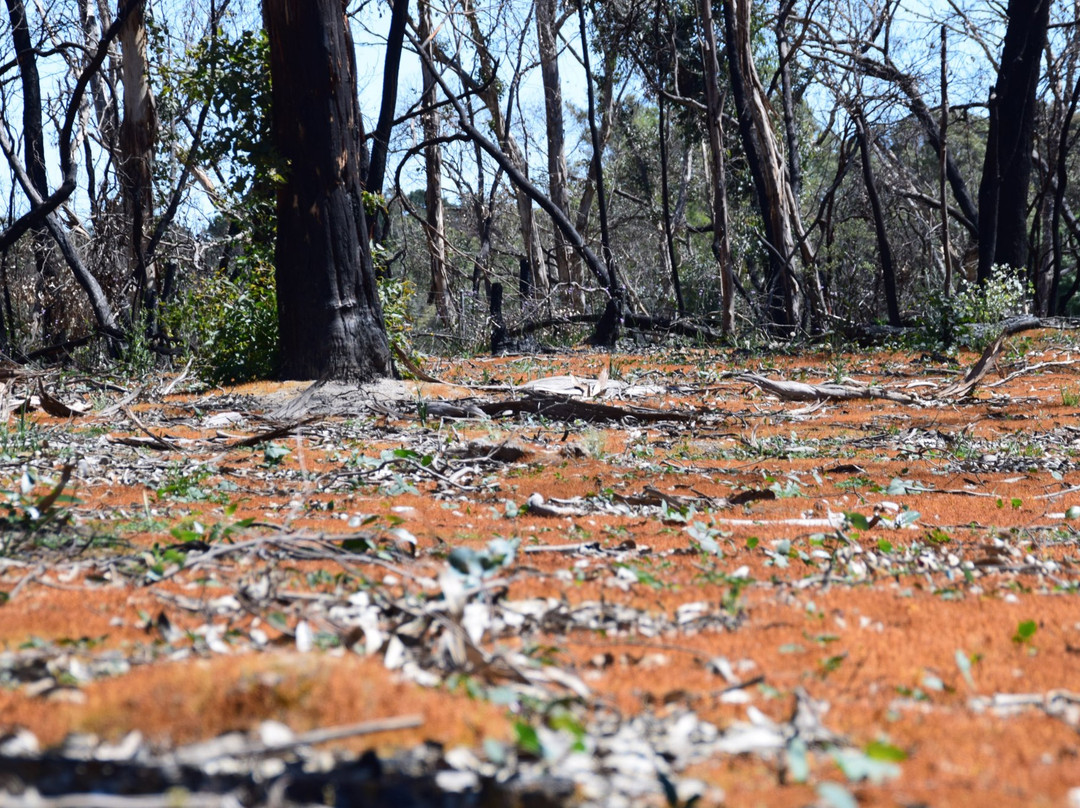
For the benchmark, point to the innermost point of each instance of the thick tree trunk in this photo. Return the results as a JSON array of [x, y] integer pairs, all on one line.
[[328, 306], [569, 272], [1003, 192], [435, 231], [138, 132], [720, 245]]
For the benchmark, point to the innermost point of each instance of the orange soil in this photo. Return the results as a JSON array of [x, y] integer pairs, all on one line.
[[881, 651]]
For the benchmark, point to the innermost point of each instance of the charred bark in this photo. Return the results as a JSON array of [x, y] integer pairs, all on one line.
[[1003, 191], [606, 333], [34, 160], [376, 174], [885, 254], [328, 307]]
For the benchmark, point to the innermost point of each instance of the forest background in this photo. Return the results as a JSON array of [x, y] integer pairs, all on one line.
[[754, 170]]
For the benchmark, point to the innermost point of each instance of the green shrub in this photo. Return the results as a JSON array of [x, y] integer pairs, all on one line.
[[229, 325], [966, 315], [396, 296]]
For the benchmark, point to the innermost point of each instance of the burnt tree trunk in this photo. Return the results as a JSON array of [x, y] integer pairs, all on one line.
[[606, 333], [328, 308], [1006, 176], [888, 268], [1062, 173], [34, 159], [380, 147]]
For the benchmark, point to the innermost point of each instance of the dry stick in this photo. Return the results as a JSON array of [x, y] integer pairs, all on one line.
[[318, 736], [162, 442], [415, 369], [272, 434], [1033, 369], [24, 581], [123, 403], [183, 375], [1056, 494]]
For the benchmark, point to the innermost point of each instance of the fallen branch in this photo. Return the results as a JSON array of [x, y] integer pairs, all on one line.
[[202, 753], [270, 434], [563, 408], [158, 442], [801, 391]]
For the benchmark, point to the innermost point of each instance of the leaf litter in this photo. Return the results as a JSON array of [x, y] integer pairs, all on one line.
[[657, 589]]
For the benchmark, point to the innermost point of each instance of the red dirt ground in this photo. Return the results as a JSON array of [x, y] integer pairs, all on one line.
[[869, 620]]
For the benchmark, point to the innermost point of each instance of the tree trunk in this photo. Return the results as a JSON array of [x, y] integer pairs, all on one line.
[[785, 241], [376, 174], [489, 94], [34, 160], [607, 113], [791, 137], [943, 167], [720, 245], [1062, 173], [671, 256], [606, 333], [138, 132], [1003, 192], [435, 232], [328, 306], [558, 183], [888, 269]]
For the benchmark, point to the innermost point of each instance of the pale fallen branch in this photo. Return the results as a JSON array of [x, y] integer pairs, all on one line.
[[1033, 369], [202, 753], [801, 391]]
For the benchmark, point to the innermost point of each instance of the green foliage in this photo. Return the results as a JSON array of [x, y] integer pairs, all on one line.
[[233, 76], [396, 296], [230, 325], [1025, 631], [957, 318], [28, 514], [1003, 295]]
